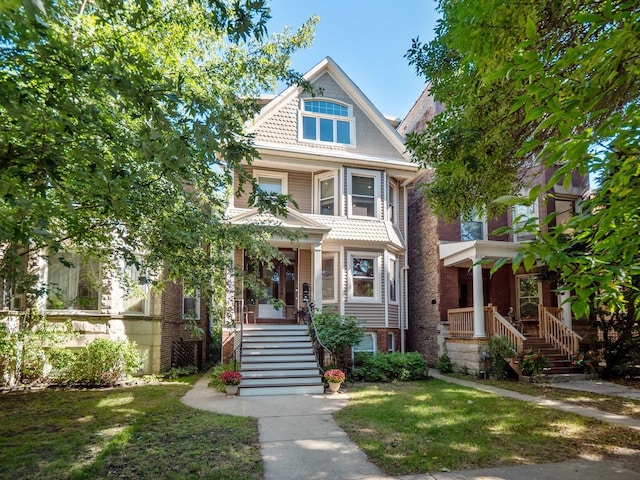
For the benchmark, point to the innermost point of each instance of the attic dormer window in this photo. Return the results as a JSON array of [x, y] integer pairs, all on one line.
[[326, 121]]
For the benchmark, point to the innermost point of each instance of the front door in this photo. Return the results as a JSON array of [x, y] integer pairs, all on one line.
[[528, 296], [280, 281]]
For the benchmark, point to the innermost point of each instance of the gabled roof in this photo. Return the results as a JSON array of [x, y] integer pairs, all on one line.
[[293, 220], [359, 99]]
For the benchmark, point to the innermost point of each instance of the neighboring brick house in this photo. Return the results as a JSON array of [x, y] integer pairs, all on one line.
[[453, 301], [100, 306], [346, 168]]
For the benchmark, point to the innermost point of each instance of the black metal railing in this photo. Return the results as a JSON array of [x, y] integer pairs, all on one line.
[[239, 315], [321, 351]]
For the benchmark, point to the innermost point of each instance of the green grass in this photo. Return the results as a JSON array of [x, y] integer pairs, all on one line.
[[430, 426], [605, 403], [132, 433]]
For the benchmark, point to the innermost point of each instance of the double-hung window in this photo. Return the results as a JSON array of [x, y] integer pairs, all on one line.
[[190, 303], [392, 202], [364, 193], [329, 277], [135, 291], [473, 227], [326, 121], [326, 191], [392, 275], [524, 215], [364, 277]]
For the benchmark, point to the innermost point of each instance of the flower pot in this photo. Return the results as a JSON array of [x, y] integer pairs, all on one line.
[[334, 387], [231, 389]]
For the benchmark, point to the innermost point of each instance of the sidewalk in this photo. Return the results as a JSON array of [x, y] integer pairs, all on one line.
[[300, 440]]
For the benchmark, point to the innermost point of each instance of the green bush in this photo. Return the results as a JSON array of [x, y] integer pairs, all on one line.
[[105, 362], [444, 364], [338, 333], [61, 365], [387, 367], [501, 352]]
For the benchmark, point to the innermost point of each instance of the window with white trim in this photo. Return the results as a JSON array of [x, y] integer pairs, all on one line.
[[364, 277], [473, 227], [392, 201], [271, 182], [327, 194], [73, 282], [366, 346], [521, 215], [364, 193], [329, 277], [391, 342], [190, 303], [392, 276], [326, 121]]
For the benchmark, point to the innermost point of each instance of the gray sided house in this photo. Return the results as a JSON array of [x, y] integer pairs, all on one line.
[[347, 169]]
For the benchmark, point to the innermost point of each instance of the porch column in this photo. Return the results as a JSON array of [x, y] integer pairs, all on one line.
[[566, 309], [317, 275], [478, 300]]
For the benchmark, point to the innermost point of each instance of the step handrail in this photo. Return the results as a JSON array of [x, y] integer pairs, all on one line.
[[319, 348], [501, 326], [558, 334]]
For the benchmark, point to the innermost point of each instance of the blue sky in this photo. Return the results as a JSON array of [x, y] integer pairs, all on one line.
[[368, 39]]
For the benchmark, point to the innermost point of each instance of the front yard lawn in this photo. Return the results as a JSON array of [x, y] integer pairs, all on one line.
[[430, 426], [132, 433]]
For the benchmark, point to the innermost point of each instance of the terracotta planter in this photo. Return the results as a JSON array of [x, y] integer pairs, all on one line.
[[334, 387], [231, 389]]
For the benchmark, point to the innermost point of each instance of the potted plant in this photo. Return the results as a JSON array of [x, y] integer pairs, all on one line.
[[231, 381], [335, 378]]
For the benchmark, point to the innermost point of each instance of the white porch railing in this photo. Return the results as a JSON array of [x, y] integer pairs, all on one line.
[[557, 333]]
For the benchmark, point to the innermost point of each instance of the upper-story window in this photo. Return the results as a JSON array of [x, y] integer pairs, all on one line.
[[190, 303], [326, 194], [364, 192], [521, 215], [473, 227], [392, 201], [364, 277], [326, 121], [271, 182]]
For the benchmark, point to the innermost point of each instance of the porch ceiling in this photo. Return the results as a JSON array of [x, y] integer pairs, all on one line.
[[463, 254]]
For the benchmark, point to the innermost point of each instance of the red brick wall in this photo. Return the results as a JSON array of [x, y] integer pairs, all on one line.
[[174, 327]]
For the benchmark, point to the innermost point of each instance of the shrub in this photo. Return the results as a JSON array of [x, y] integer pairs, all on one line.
[[501, 353], [444, 364], [176, 372], [387, 367], [105, 362], [532, 363], [338, 333], [61, 365]]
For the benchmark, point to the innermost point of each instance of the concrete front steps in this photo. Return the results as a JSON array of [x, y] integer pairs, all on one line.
[[278, 360]]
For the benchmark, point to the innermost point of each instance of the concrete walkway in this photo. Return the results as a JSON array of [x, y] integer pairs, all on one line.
[[300, 440]]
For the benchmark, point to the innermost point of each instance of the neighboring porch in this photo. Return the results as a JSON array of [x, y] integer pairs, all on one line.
[[547, 334]]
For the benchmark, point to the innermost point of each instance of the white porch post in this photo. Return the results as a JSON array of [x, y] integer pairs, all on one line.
[[566, 309], [317, 275], [478, 300]]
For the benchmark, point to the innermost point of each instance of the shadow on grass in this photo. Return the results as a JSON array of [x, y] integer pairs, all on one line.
[[429, 426], [139, 432]]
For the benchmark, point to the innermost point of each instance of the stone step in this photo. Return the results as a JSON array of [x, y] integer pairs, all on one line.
[[262, 344], [277, 365], [279, 380], [301, 372], [271, 352], [278, 357], [277, 389]]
